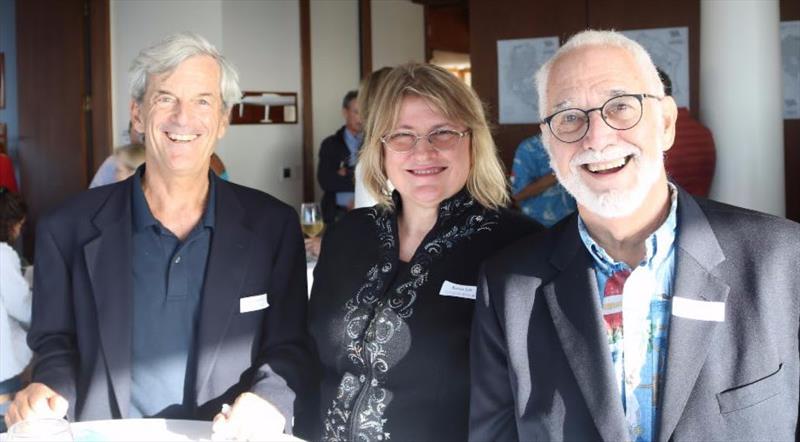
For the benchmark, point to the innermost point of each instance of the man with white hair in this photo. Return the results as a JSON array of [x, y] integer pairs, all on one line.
[[173, 293], [649, 314]]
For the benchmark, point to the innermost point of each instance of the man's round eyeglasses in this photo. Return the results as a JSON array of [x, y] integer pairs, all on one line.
[[440, 139], [622, 112]]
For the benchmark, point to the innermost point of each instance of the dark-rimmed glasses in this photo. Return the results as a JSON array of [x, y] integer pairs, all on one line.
[[440, 139], [622, 112]]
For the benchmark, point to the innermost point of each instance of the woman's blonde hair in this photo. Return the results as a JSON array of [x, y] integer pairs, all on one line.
[[458, 103]]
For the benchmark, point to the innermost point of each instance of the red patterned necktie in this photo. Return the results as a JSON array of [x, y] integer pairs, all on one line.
[[612, 302]]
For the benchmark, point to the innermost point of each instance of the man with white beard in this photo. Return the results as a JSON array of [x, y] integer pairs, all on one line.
[[649, 314]]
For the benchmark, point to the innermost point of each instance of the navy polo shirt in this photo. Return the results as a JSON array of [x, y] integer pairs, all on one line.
[[168, 276]]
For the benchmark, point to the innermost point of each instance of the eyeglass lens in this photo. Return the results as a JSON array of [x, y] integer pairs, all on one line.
[[440, 139], [619, 113]]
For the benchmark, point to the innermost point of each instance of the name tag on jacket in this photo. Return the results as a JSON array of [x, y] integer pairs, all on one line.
[[699, 310], [458, 290], [253, 303]]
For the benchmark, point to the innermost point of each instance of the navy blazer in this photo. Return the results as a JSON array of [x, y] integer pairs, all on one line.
[[81, 327], [541, 368]]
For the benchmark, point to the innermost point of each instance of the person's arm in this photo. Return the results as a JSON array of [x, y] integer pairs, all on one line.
[[330, 162], [535, 188], [283, 361], [491, 411], [15, 294], [51, 337]]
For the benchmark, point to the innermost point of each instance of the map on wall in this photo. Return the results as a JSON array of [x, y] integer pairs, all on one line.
[[669, 49], [517, 63], [790, 55]]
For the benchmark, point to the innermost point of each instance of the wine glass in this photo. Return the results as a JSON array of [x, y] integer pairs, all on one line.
[[311, 219], [50, 429]]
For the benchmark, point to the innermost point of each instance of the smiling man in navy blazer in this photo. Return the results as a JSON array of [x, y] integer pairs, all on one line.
[[172, 292], [649, 314]]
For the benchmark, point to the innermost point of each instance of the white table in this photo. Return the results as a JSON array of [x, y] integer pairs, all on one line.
[[148, 430]]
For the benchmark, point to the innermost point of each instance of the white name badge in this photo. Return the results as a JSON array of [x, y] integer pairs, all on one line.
[[458, 290], [253, 303], [699, 310]]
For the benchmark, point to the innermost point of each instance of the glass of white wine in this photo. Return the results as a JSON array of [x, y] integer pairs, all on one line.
[[311, 219]]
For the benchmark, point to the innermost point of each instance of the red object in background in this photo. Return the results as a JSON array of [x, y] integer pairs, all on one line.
[[7, 178], [691, 160]]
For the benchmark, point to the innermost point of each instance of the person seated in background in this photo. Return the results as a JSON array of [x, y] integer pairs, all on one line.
[[337, 159], [15, 299], [128, 160], [172, 292], [109, 170], [650, 314], [394, 288], [535, 188]]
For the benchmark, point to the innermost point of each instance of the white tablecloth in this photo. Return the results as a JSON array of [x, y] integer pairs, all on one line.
[[148, 430]]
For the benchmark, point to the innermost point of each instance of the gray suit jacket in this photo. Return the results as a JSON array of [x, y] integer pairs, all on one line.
[[541, 368]]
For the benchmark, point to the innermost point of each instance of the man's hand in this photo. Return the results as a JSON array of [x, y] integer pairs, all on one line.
[[313, 246], [250, 418], [36, 401]]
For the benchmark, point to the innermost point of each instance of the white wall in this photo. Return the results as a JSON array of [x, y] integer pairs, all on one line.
[[742, 102], [398, 32], [335, 65], [262, 38]]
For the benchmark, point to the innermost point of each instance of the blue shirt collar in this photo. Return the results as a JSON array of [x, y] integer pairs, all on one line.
[[657, 245], [353, 141], [143, 217]]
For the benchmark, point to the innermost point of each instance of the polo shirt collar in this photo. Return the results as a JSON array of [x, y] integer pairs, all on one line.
[[143, 217]]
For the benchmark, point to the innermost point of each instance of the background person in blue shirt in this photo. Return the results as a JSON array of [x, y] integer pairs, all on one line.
[[337, 161], [535, 188]]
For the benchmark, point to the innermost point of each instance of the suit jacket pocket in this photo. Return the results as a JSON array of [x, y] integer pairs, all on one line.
[[751, 394]]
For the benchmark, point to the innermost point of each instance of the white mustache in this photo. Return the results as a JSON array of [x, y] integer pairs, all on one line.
[[608, 154]]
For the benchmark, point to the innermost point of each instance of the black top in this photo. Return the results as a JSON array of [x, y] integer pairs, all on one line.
[[393, 339]]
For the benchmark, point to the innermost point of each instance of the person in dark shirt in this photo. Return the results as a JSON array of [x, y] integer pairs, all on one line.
[[391, 317], [337, 160]]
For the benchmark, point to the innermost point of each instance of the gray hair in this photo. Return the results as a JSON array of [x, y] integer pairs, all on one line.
[[592, 37], [167, 54]]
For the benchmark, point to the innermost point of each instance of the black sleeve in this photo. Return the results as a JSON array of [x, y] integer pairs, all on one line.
[[491, 411], [52, 335], [283, 365]]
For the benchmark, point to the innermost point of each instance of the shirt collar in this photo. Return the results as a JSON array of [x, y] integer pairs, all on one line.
[[657, 246], [353, 141], [143, 217]]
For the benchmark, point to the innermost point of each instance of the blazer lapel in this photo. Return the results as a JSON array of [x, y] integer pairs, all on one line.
[[697, 252], [574, 304], [227, 266], [108, 262]]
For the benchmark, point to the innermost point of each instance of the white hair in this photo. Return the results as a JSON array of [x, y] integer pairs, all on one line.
[[592, 37], [167, 54]]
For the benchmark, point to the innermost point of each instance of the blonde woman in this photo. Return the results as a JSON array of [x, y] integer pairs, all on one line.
[[391, 307]]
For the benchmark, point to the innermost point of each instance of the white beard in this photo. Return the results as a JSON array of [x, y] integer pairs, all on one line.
[[612, 203]]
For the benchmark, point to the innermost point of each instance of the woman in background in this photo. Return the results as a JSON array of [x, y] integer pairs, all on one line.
[[394, 288], [15, 298]]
